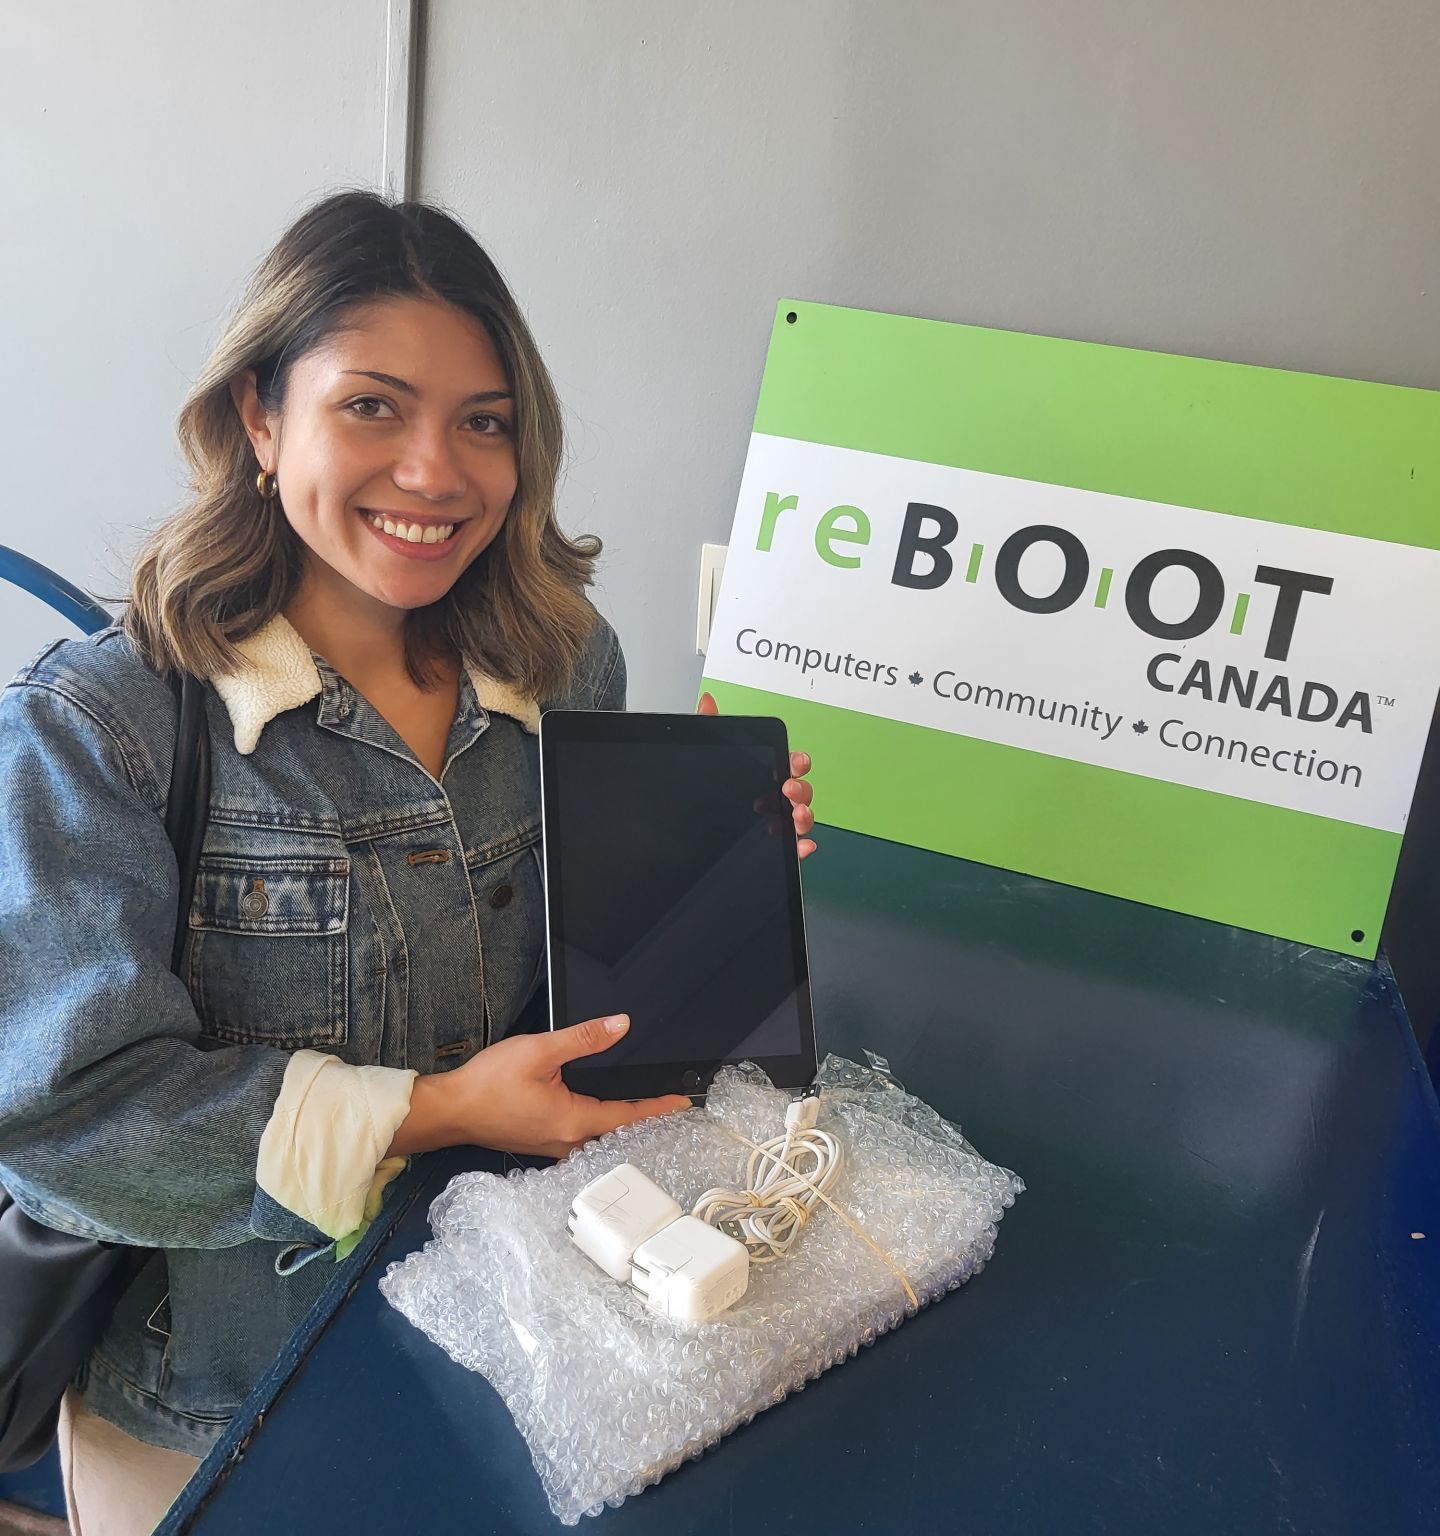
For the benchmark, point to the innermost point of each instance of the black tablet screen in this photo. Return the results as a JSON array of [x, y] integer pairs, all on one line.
[[673, 897]]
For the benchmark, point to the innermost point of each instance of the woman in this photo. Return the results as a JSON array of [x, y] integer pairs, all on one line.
[[371, 577]]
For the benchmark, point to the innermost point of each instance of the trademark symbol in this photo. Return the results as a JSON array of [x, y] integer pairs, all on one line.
[[1384, 702]]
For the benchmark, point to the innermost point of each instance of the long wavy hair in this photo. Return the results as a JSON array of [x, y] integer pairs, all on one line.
[[226, 563]]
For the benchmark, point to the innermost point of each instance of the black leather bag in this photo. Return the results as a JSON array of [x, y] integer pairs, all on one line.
[[57, 1291]]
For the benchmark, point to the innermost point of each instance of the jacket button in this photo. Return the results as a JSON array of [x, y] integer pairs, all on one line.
[[256, 903], [500, 896]]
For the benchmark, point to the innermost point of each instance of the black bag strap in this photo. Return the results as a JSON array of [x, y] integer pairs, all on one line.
[[188, 805]]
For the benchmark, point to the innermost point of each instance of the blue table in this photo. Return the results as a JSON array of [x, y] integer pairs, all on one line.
[[1209, 1313]]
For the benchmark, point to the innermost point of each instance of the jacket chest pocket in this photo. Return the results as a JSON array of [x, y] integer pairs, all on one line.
[[510, 902], [269, 959]]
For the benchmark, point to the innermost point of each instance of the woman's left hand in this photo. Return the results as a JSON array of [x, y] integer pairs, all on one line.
[[797, 791]]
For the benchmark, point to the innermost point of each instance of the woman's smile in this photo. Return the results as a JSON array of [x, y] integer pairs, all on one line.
[[413, 536]]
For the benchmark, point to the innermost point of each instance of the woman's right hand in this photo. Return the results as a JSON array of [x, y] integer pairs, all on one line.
[[510, 1097]]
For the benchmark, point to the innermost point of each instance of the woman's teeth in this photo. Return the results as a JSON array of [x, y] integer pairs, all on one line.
[[413, 533]]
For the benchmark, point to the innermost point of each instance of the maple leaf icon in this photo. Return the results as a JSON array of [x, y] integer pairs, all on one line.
[[1139, 727], [916, 679]]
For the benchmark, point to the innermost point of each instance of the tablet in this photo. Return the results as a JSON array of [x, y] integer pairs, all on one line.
[[673, 894]]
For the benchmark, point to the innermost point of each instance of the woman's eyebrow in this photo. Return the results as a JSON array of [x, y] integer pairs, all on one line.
[[484, 397]]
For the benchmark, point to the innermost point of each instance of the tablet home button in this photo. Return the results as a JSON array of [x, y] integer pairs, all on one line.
[[690, 1082]]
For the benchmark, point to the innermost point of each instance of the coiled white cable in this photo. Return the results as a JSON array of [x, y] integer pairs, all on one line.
[[769, 1215]]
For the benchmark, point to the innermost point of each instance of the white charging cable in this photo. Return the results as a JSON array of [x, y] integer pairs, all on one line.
[[769, 1215]]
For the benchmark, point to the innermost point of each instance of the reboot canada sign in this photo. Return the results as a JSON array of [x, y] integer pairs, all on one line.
[[1189, 655]]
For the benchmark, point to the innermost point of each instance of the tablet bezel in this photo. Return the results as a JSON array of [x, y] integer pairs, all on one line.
[[633, 1081]]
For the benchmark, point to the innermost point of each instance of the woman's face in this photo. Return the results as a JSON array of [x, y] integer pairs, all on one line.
[[394, 452]]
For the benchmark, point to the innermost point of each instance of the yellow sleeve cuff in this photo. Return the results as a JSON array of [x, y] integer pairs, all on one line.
[[322, 1154]]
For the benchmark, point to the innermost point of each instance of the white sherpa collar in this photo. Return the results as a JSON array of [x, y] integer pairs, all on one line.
[[279, 673]]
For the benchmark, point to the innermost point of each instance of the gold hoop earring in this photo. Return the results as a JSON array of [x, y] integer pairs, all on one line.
[[267, 485]]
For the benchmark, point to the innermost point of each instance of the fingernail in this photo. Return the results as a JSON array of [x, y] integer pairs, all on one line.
[[617, 1024]]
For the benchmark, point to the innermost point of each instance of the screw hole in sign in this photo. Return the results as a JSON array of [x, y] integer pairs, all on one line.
[[791, 318], [1357, 935]]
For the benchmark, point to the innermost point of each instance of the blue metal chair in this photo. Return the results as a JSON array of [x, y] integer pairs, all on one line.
[[40, 581]]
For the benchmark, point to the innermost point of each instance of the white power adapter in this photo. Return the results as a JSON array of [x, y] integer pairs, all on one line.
[[691, 1271], [634, 1231], [614, 1214]]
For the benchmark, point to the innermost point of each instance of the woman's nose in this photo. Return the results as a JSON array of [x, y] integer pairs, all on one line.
[[429, 466]]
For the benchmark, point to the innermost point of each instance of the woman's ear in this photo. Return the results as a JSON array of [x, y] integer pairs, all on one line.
[[254, 418]]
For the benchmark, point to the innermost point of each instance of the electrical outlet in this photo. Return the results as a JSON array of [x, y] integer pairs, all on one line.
[[712, 568]]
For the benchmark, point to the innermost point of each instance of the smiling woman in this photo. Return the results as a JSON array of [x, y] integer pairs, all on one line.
[[370, 579]]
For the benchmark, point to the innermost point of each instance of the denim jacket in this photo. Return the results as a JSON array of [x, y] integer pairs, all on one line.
[[348, 906]]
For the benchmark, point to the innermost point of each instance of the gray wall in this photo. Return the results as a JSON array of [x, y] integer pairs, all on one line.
[[1244, 179], [152, 151]]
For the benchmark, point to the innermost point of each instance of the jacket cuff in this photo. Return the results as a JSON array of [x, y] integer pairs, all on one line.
[[322, 1153]]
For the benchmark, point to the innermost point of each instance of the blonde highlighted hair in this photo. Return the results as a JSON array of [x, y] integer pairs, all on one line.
[[227, 563]]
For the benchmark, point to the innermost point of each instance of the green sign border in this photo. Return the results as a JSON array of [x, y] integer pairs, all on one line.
[[1337, 454], [1299, 448], [1236, 861]]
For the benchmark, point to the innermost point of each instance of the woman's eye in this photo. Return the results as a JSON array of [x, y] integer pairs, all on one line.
[[488, 423], [368, 408]]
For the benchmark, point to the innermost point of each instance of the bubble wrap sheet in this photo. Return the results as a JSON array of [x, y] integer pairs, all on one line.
[[611, 1396]]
